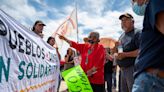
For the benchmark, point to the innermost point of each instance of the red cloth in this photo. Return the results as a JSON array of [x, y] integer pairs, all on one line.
[[96, 58], [62, 62]]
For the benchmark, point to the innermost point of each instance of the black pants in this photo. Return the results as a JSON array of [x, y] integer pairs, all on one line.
[[108, 79], [98, 87]]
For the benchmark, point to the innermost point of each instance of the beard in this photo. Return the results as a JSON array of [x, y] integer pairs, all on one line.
[[124, 28]]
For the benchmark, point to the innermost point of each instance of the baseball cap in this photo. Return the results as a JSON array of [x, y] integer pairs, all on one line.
[[126, 15], [40, 22]]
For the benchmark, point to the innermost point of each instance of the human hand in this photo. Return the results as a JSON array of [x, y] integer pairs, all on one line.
[[120, 56], [110, 57], [56, 48], [91, 71], [61, 37], [64, 38]]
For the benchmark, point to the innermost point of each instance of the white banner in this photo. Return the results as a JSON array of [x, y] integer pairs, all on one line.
[[27, 63]]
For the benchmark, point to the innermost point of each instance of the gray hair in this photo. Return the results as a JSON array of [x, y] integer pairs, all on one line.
[[95, 34]]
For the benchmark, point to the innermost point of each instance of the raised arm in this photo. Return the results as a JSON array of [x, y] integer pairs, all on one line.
[[65, 39]]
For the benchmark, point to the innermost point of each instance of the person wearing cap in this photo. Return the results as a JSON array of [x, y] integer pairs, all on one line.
[[38, 28], [92, 60], [128, 49], [149, 74]]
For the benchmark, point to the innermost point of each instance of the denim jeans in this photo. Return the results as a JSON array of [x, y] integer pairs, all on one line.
[[146, 82]]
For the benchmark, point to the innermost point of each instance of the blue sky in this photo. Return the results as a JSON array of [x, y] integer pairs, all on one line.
[[93, 15]]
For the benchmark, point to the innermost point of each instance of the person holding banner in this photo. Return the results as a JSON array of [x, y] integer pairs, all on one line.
[[93, 60], [51, 41], [38, 28]]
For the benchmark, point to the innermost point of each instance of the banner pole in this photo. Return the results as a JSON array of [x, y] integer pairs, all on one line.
[[77, 22]]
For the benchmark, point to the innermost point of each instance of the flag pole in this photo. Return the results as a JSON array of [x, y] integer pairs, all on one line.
[[77, 29], [77, 22], [54, 34]]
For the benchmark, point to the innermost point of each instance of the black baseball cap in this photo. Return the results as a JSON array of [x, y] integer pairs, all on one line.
[[40, 22], [126, 15]]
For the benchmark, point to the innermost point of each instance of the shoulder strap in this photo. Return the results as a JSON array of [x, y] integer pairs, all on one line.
[[122, 35]]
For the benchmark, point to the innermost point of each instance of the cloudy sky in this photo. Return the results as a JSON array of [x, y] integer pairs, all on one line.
[[93, 15]]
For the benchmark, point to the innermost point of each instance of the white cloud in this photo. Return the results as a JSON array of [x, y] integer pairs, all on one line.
[[20, 10], [95, 5], [107, 25], [41, 2], [52, 25]]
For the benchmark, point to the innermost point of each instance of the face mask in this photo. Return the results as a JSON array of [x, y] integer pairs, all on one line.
[[139, 10], [91, 41]]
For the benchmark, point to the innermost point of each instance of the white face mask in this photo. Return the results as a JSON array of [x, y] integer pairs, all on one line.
[[139, 10]]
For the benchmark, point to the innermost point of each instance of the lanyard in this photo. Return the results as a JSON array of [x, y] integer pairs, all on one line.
[[89, 52]]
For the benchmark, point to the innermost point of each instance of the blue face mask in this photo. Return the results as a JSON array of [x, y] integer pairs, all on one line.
[[139, 10]]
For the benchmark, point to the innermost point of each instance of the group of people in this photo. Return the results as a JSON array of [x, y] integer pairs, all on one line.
[[38, 29], [140, 60]]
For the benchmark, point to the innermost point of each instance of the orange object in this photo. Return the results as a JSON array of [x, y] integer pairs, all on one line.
[[107, 42]]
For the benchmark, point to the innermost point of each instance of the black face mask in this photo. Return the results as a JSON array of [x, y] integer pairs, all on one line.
[[91, 41]]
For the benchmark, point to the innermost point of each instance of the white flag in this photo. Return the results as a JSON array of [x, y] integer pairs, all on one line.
[[73, 18], [67, 27]]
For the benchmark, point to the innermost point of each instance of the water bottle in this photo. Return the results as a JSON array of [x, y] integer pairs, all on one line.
[[120, 49]]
